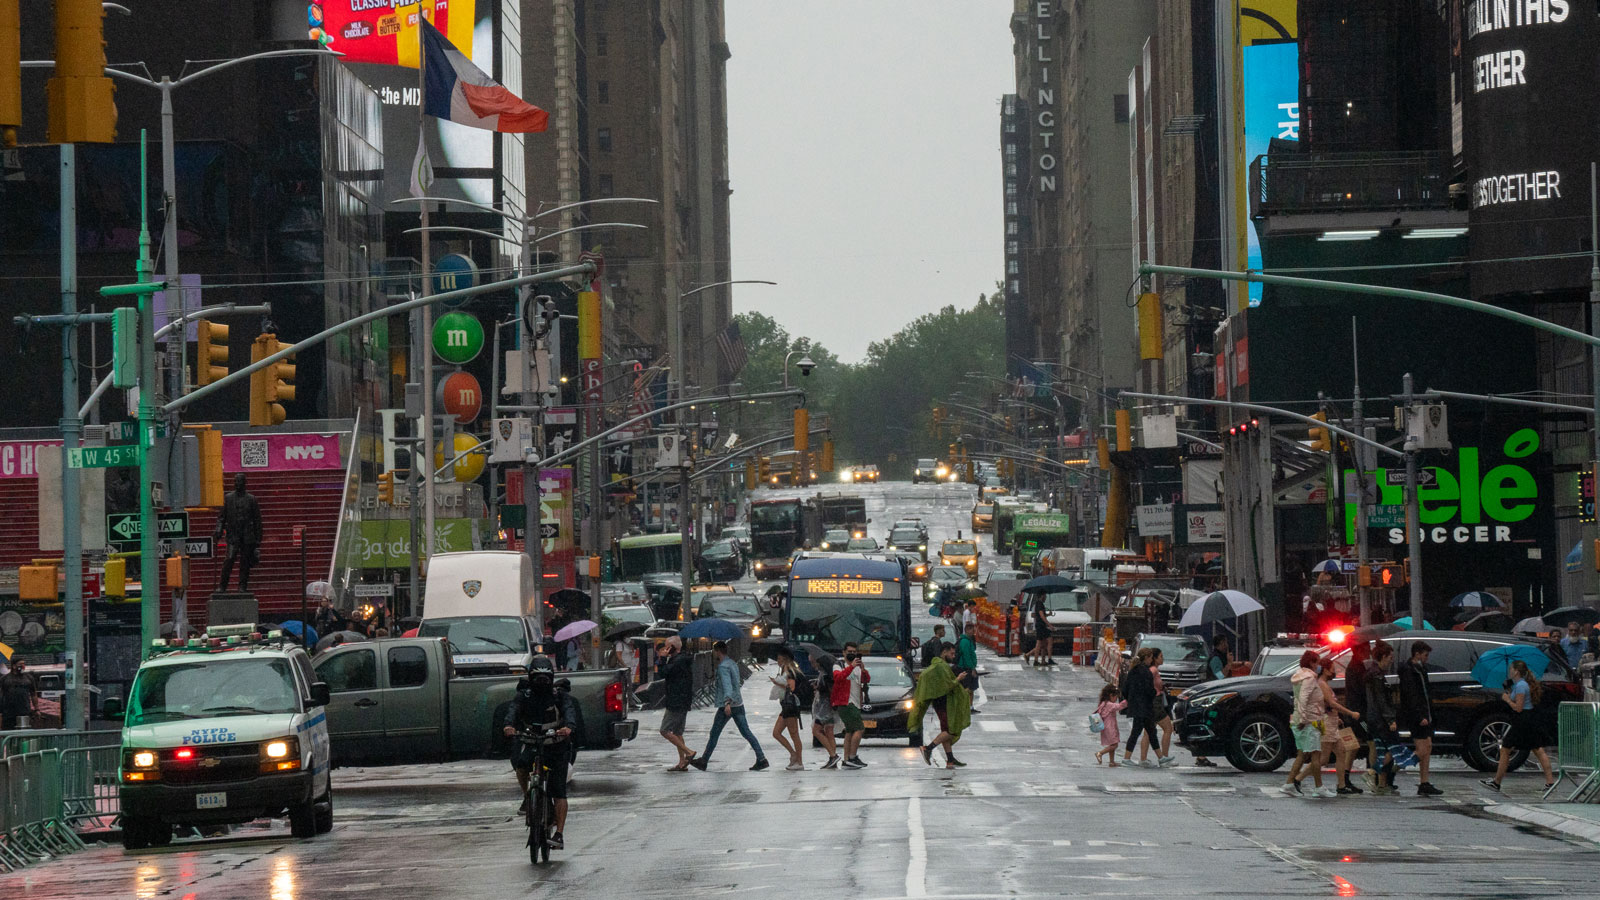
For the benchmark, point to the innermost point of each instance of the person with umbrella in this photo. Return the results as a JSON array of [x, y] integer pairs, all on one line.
[[1527, 727], [730, 705], [1575, 644], [567, 638], [1046, 645]]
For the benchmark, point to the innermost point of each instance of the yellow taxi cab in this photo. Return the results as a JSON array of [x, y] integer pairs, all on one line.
[[983, 515], [959, 552]]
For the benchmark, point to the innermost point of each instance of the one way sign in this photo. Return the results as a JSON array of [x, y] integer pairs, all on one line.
[[1395, 477], [123, 529]]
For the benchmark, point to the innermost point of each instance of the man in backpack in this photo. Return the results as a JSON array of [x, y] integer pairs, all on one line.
[[932, 646]]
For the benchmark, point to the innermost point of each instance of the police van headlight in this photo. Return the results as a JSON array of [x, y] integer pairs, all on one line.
[[280, 755], [144, 759]]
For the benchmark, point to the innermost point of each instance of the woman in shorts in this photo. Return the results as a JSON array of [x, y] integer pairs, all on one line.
[[822, 710], [788, 680]]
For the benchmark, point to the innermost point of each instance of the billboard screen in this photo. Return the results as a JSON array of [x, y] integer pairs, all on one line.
[[385, 31], [1271, 110], [1530, 129]]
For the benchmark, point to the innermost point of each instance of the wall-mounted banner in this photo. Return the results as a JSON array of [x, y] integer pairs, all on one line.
[[279, 452], [385, 31]]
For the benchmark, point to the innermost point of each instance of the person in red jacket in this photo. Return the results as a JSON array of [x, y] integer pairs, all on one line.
[[846, 700]]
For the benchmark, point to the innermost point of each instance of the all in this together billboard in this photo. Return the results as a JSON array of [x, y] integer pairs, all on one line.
[[1532, 121]]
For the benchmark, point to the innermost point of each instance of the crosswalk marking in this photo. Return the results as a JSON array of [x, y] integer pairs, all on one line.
[[997, 725]]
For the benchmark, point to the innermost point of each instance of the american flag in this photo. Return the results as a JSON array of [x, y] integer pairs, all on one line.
[[732, 344]]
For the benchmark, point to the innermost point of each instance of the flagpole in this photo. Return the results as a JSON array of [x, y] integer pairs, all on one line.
[[426, 466]]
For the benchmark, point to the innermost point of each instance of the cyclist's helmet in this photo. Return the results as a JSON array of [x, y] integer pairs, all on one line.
[[541, 672]]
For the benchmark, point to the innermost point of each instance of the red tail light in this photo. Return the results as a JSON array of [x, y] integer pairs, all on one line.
[[614, 697]]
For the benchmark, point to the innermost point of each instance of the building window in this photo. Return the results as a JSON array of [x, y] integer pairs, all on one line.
[[1011, 189], [1011, 247], [602, 137], [603, 92], [1011, 150], [1119, 108], [600, 44], [1011, 128], [1011, 169], [603, 185], [1011, 228], [1011, 267], [1011, 208], [1015, 286]]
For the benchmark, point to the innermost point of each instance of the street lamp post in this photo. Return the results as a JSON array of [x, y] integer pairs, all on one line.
[[686, 556]]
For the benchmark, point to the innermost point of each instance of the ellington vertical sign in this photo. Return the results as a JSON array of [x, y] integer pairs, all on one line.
[[1530, 130], [1046, 144]]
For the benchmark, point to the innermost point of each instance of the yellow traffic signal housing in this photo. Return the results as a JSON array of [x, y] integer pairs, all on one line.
[[39, 583], [750, 481], [10, 72], [177, 571], [827, 455], [802, 429], [1364, 576], [115, 583], [270, 386], [386, 488], [211, 352], [764, 469], [1321, 438], [212, 489], [79, 94]]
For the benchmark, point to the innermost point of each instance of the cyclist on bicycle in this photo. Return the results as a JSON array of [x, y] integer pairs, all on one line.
[[537, 709]]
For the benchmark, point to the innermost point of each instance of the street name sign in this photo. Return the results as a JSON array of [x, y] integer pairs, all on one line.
[[103, 457]]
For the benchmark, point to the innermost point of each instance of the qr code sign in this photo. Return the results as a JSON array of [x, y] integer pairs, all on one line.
[[252, 454]]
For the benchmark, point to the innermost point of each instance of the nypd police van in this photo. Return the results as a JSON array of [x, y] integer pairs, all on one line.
[[221, 730]]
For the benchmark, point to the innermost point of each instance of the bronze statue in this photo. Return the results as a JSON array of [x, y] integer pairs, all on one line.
[[241, 522]]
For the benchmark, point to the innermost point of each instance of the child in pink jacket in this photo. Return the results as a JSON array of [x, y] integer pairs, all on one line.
[[1110, 735]]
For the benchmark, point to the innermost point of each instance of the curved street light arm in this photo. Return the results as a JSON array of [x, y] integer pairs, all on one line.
[[1271, 410]]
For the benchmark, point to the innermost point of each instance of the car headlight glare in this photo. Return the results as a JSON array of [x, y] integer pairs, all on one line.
[[144, 759], [907, 703], [277, 749], [1210, 700]]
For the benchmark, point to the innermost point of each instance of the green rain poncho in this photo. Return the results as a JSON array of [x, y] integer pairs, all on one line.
[[939, 680]]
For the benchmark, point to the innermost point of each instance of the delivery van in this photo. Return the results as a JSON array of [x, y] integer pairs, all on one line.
[[482, 603]]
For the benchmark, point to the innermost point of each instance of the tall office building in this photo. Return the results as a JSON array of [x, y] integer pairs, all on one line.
[[636, 94]]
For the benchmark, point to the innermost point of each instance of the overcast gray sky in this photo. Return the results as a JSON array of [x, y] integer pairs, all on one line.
[[864, 148]]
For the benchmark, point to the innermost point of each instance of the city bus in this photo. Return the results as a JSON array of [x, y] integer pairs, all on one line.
[[638, 555], [839, 599]]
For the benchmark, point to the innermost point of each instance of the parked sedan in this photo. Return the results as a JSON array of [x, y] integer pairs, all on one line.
[[886, 709], [1247, 719], [722, 561]]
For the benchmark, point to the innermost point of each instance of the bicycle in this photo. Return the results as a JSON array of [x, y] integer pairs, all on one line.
[[541, 815]]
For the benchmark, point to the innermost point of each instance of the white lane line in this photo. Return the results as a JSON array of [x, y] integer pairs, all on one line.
[[997, 725], [917, 864]]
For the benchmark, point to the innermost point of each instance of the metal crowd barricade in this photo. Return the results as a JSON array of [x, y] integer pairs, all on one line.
[[91, 785], [1578, 751], [18, 742], [33, 827]]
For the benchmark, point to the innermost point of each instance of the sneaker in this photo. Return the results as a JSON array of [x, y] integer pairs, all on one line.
[[1165, 762], [1291, 789], [852, 764], [832, 763], [1369, 780], [953, 761], [760, 765], [858, 761], [795, 767], [1327, 793], [927, 754], [1491, 784], [558, 842], [1349, 790], [699, 762], [1147, 764], [1426, 789]]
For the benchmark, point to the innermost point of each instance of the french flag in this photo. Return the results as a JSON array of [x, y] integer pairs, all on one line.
[[458, 91]]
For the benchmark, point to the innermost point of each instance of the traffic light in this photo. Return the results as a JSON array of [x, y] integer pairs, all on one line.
[[10, 72], [827, 455], [270, 386], [750, 481], [79, 94], [212, 490], [386, 488], [115, 584], [211, 352], [1321, 438], [764, 469], [802, 429]]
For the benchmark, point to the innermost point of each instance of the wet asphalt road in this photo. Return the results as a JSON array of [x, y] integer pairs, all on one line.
[[1031, 816]]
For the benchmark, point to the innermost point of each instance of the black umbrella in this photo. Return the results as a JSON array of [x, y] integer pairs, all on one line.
[[1375, 632], [1566, 615], [1051, 584], [339, 637], [625, 630], [810, 649], [1495, 621]]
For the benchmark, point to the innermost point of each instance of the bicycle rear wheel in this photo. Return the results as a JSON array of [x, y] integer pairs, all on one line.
[[537, 825]]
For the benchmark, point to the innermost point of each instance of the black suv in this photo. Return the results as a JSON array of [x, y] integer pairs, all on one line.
[[1247, 719]]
